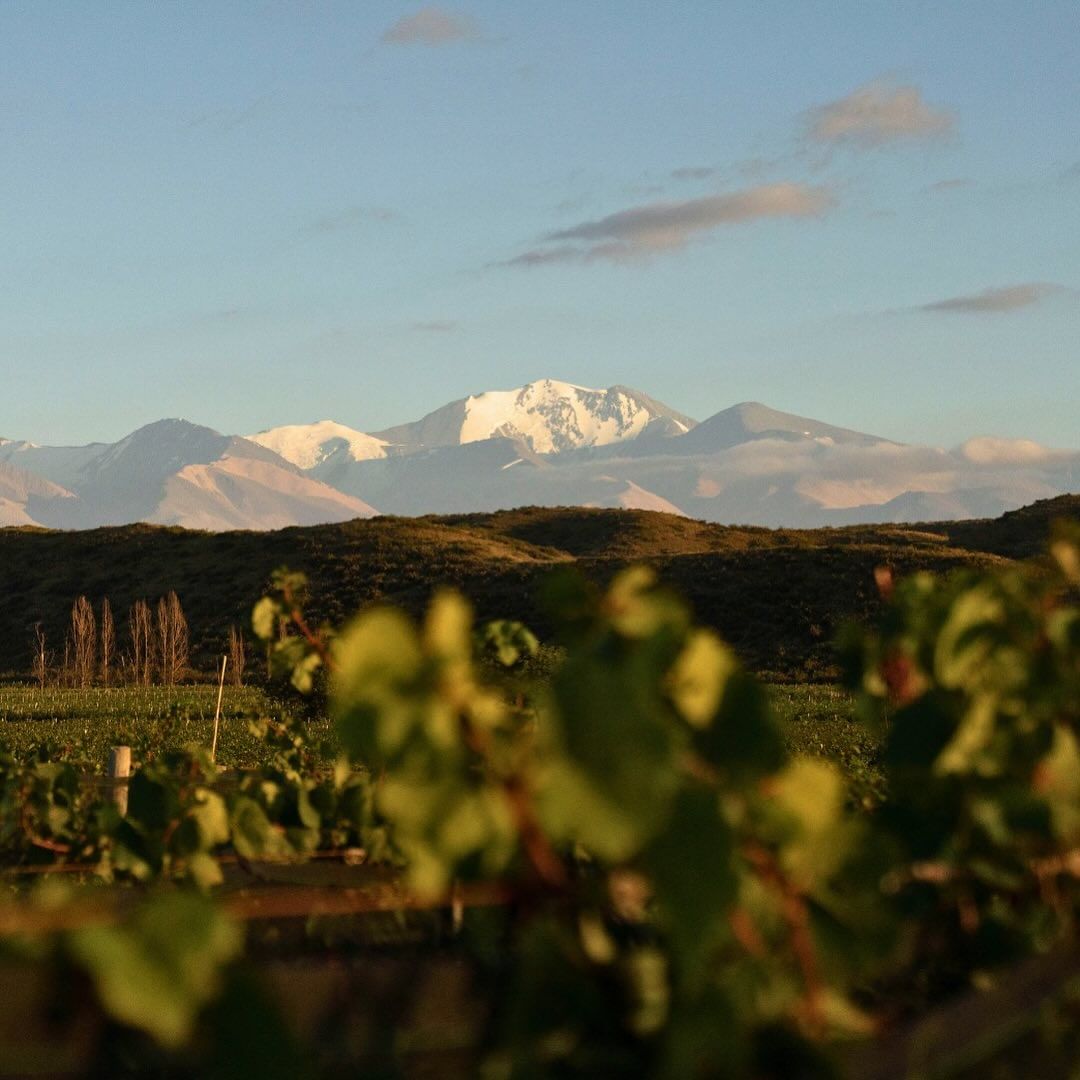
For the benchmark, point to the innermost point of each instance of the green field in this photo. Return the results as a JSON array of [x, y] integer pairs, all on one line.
[[81, 725], [818, 722]]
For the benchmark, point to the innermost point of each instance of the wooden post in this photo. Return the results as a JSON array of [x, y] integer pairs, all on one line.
[[217, 711], [120, 770], [457, 908]]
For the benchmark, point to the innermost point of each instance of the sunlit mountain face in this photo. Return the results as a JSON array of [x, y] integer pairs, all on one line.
[[546, 443]]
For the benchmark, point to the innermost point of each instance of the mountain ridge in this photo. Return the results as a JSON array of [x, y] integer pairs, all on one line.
[[549, 415], [546, 443], [176, 472]]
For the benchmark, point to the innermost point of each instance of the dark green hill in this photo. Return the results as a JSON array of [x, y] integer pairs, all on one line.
[[1019, 534], [777, 595]]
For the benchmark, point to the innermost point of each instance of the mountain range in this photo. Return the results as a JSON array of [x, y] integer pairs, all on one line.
[[548, 443]]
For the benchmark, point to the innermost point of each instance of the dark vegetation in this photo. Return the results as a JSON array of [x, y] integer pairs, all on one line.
[[633, 845], [778, 595]]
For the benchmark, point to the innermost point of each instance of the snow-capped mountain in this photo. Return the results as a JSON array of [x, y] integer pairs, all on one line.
[[309, 445], [547, 443], [172, 473], [548, 416]]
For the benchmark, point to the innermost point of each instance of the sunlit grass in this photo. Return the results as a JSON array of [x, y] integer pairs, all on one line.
[[818, 721], [83, 724]]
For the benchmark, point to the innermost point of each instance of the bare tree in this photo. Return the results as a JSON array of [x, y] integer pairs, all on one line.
[[172, 639], [67, 669], [237, 655], [164, 642], [40, 666], [108, 641], [140, 629], [181, 637], [83, 642]]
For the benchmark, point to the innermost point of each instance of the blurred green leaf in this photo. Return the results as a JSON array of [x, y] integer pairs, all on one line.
[[159, 970]]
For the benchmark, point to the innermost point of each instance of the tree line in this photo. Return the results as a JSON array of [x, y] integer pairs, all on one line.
[[157, 649]]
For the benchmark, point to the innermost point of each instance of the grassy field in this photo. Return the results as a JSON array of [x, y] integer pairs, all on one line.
[[818, 722], [82, 725]]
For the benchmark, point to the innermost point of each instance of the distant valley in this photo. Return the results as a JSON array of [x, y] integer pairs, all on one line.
[[548, 443]]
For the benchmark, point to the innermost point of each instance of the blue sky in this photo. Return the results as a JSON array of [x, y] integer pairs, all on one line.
[[255, 214]]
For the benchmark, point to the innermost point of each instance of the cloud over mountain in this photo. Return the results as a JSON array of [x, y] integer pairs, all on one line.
[[992, 450], [652, 228], [878, 113]]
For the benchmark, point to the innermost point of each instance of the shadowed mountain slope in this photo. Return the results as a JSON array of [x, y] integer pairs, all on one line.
[[1019, 534], [776, 595]]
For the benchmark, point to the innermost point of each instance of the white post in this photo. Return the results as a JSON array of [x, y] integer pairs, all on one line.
[[217, 712], [120, 770]]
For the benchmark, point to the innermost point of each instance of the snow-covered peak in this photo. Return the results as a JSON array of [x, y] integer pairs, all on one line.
[[308, 445], [548, 416], [551, 416]]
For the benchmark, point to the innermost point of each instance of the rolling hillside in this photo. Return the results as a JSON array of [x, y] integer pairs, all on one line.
[[777, 595]]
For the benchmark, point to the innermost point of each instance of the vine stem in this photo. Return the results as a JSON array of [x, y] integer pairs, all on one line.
[[541, 855], [1065, 864], [797, 918], [746, 933], [315, 639], [42, 842]]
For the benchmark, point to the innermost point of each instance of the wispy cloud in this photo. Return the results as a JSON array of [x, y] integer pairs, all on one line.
[[637, 191], [992, 301], [432, 26], [230, 116], [564, 253], [693, 172], [435, 326], [266, 109], [949, 185], [351, 217], [569, 205], [652, 228], [878, 113]]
